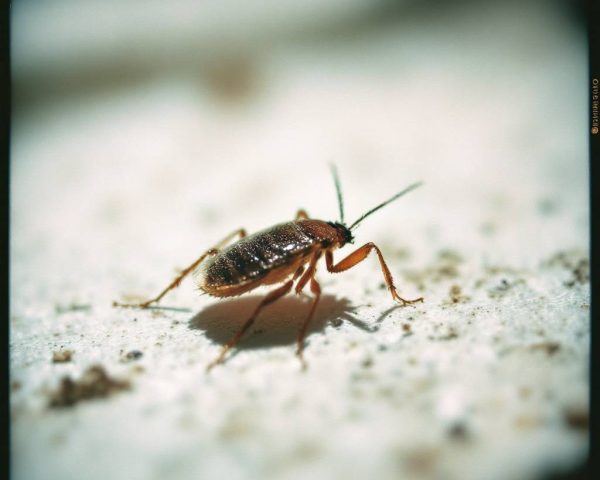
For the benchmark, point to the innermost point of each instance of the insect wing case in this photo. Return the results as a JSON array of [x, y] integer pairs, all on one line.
[[264, 257]]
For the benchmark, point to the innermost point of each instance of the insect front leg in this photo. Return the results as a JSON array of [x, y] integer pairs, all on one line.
[[186, 271], [358, 256]]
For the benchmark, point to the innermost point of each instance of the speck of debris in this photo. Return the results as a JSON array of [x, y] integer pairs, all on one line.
[[131, 356], [62, 356], [336, 322], [15, 386], [72, 307], [574, 261], [458, 431], [94, 383], [581, 273], [456, 295], [503, 287], [577, 418], [449, 256], [549, 347], [526, 422], [451, 335], [367, 362], [406, 327], [382, 286]]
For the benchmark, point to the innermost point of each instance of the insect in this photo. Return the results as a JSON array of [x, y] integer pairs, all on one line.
[[284, 254]]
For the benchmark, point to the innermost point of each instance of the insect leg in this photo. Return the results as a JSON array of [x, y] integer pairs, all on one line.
[[358, 256], [315, 288], [270, 298], [175, 283], [302, 215]]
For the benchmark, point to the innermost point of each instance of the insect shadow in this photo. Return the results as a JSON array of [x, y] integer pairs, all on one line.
[[278, 324]]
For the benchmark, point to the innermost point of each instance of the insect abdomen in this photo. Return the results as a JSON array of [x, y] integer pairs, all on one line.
[[252, 258]]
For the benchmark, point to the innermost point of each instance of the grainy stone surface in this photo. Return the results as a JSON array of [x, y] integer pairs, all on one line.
[[487, 379]]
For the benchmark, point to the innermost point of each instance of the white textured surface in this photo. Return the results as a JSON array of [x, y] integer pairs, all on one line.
[[108, 196]]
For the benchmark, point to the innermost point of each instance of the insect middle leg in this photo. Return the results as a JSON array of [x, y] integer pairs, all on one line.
[[358, 256], [315, 288], [270, 298], [186, 271]]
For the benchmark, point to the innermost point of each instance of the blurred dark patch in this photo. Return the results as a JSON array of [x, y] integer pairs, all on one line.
[[580, 472], [94, 383], [277, 324], [233, 77]]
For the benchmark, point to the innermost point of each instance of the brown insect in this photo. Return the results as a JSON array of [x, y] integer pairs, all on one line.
[[282, 254]]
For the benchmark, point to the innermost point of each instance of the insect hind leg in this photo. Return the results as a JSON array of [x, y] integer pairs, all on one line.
[[302, 215], [185, 272]]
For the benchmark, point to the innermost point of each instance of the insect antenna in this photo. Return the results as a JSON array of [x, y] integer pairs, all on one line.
[[381, 205], [338, 189]]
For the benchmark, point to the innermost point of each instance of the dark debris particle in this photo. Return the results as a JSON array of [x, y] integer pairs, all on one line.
[[549, 347], [451, 335], [132, 355], [456, 295], [575, 262], [444, 268], [458, 431], [449, 256], [72, 307], [504, 287], [580, 272], [94, 383], [367, 362], [62, 356], [577, 418], [336, 322]]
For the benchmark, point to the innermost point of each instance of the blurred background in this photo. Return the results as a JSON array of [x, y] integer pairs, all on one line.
[[145, 131]]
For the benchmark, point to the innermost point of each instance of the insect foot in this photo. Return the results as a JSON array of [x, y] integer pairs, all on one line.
[[405, 302], [133, 305]]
